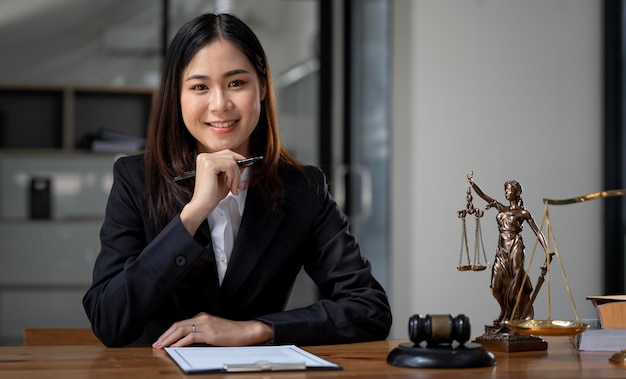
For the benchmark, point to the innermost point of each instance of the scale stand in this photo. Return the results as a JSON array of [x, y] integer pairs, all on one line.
[[499, 338]]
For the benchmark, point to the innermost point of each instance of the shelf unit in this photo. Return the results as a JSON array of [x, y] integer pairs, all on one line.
[[43, 133], [65, 117]]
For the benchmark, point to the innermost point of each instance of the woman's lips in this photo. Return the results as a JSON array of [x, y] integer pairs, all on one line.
[[222, 124]]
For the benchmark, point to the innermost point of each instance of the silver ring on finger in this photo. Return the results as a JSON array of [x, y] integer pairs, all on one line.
[[193, 328]]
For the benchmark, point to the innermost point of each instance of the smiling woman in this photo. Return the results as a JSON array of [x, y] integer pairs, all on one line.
[[213, 259], [102, 60]]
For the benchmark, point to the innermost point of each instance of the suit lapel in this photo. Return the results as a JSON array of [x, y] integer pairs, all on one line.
[[258, 227]]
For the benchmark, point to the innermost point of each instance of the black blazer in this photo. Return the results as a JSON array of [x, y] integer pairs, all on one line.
[[142, 282]]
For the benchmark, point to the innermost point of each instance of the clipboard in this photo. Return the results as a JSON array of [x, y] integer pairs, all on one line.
[[194, 359]]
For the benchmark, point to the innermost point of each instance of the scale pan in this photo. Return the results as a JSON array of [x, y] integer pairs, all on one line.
[[547, 327]]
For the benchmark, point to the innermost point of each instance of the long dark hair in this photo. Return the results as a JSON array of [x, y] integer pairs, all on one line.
[[171, 149]]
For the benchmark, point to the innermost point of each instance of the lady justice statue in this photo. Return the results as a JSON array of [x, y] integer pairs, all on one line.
[[510, 284]]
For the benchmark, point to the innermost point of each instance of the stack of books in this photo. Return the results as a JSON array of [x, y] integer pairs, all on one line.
[[608, 332]]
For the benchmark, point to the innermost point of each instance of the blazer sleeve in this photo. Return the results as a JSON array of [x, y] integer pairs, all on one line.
[[132, 274], [353, 306]]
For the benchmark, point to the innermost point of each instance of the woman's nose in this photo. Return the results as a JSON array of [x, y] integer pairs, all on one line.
[[219, 101]]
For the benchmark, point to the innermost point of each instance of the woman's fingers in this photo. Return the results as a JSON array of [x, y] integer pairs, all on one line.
[[187, 340], [205, 328], [216, 175], [179, 331]]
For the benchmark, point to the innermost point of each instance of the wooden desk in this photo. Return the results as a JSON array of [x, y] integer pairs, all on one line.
[[59, 336], [362, 360]]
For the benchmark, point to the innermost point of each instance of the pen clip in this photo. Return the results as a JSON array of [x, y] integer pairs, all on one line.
[[264, 366]]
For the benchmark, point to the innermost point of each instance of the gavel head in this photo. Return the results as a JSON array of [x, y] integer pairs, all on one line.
[[439, 329]]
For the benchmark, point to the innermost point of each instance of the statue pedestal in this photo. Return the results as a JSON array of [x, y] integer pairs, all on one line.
[[500, 338]]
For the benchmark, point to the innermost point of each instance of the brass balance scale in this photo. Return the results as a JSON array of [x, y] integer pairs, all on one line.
[[523, 334]]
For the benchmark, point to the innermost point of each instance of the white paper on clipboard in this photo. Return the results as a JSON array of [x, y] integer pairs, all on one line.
[[247, 358]]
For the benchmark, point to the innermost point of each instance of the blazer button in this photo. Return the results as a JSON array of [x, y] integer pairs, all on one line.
[[181, 261]]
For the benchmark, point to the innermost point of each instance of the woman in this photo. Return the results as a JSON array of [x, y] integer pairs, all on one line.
[[212, 259], [508, 275]]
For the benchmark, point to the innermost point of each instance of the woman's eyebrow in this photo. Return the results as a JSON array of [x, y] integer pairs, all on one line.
[[226, 74], [236, 72], [196, 77]]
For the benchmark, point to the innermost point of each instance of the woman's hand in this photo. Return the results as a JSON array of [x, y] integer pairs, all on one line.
[[492, 204], [212, 330], [216, 175]]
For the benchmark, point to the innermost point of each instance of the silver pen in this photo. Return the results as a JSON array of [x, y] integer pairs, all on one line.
[[240, 163]]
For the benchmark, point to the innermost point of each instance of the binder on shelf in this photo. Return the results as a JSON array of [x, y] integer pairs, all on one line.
[[40, 197]]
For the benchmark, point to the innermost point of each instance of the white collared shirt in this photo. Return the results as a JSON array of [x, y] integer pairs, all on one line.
[[224, 222]]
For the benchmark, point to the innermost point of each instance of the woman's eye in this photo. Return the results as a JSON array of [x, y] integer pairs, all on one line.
[[199, 87], [235, 83]]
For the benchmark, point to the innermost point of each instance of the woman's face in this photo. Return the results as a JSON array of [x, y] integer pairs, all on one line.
[[220, 98], [510, 192]]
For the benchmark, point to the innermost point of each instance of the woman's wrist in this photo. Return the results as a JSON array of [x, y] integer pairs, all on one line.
[[190, 221], [264, 331]]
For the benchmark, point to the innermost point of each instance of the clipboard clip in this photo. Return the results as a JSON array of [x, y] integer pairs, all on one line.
[[264, 366]]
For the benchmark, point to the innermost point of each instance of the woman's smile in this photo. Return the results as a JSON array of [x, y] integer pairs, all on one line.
[[221, 124]]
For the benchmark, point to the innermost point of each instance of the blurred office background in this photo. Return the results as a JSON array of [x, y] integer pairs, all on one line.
[[395, 99]]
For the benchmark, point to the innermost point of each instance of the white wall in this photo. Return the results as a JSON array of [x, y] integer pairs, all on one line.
[[512, 90]]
